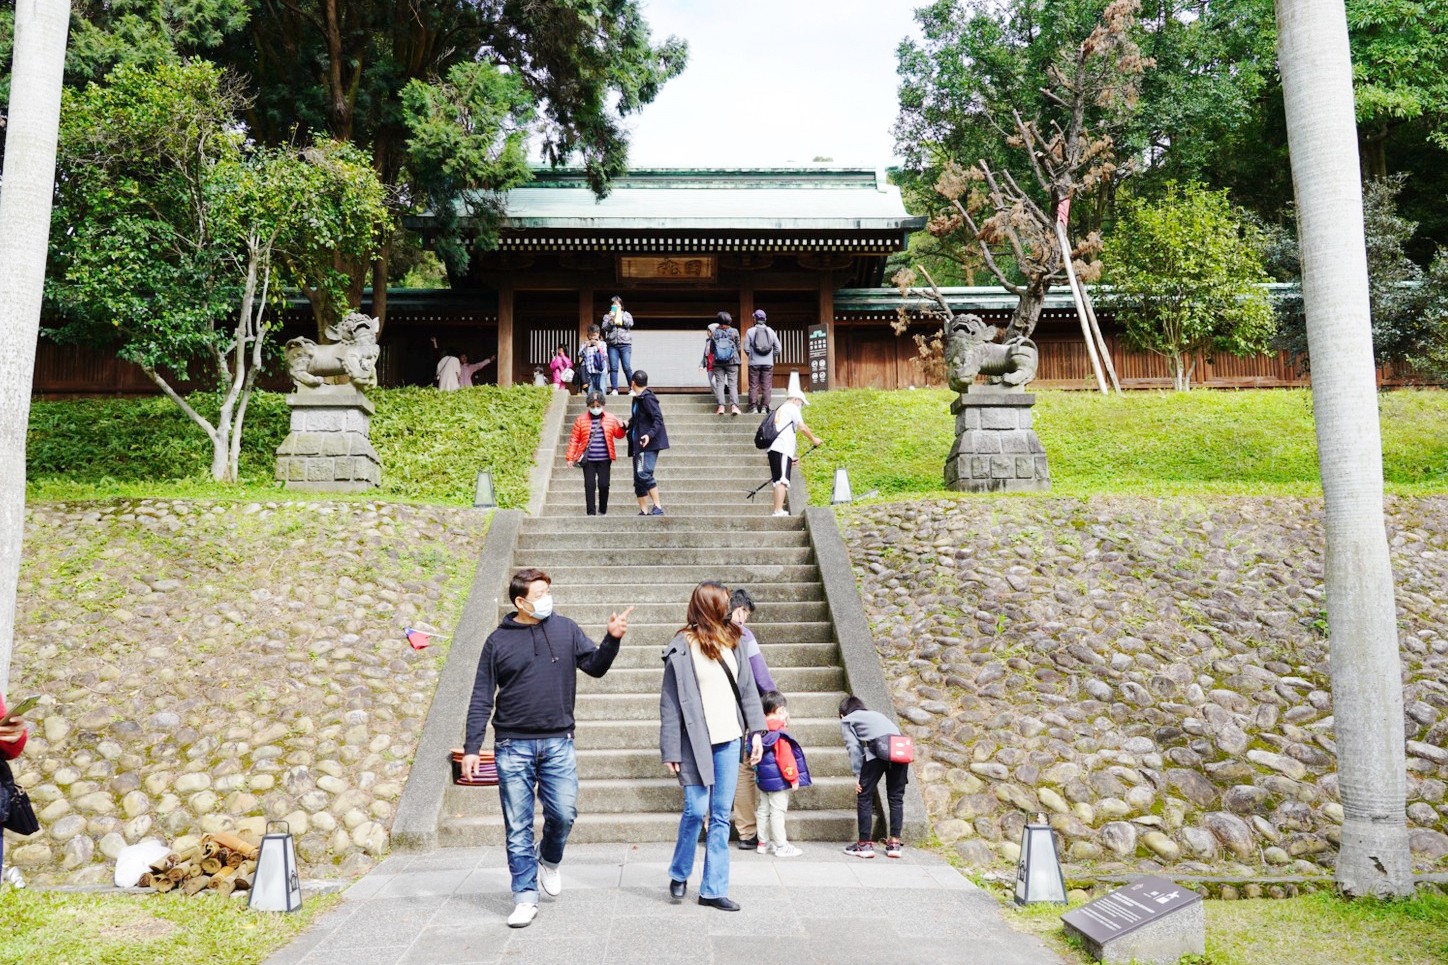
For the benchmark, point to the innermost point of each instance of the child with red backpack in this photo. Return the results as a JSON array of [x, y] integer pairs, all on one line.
[[781, 771], [877, 750]]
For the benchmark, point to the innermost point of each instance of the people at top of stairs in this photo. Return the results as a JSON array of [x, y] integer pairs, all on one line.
[[618, 333], [590, 447], [525, 686], [593, 358], [707, 705], [647, 437], [722, 350]]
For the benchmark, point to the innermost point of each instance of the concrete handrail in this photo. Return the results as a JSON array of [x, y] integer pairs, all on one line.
[[548, 439], [418, 812], [863, 673]]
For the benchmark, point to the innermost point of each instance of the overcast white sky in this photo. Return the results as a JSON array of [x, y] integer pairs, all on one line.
[[775, 82]]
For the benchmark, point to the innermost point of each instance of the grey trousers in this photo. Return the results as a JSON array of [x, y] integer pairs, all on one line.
[[761, 385], [725, 379]]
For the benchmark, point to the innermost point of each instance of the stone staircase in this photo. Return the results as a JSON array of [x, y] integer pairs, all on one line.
[[604, 564]]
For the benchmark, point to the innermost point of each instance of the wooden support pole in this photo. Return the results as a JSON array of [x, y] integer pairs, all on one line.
[[827, 316], [746, 324], [1106, 359], [507, 358], [1080, 308]]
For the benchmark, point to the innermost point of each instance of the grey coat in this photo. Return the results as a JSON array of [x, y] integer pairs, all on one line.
[[683, 735]]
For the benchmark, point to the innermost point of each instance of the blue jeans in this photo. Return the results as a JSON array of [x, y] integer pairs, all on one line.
[[595, 383], [717, 801], [551, 766], [644, 464], [620, 359]]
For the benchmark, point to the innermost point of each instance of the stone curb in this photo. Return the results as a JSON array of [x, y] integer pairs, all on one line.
[[418, 811], [863, 672], [548, 439]]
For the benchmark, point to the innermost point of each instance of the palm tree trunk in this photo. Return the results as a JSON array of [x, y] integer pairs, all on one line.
[[1367, 693], [30, 141]]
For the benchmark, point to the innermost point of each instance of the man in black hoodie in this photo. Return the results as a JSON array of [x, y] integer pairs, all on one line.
[[527, 679]]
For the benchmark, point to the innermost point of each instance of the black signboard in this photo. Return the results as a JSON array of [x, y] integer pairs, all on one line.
[[819, 360], [1128, 908]]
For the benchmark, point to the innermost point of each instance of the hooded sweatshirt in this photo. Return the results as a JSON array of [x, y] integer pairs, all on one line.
[[527, 679]]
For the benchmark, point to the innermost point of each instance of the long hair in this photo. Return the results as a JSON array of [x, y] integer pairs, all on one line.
[[708, 625]]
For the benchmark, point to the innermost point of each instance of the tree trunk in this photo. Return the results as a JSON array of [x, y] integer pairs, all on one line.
[[1028, 311], [1375, 153], [32, 127], [1367, 692], [379, 286]]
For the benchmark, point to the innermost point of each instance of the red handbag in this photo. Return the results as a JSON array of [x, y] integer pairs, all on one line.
[[897, 748]]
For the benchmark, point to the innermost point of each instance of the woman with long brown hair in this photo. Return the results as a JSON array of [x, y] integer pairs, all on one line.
[[707, 707]]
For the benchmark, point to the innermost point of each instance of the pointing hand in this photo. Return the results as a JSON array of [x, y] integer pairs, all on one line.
[[618, 624]]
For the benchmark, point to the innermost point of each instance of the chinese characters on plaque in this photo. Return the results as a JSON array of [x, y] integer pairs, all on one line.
[[668, 267]]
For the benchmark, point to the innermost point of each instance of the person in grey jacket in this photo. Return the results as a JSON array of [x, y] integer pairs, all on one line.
[[762, 346], [618, 333], [859, 727], [708, 706]]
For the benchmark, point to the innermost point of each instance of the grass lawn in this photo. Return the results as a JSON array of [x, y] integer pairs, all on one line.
[[1315, 929], [58, 928], [431, 443], [1253, 442]]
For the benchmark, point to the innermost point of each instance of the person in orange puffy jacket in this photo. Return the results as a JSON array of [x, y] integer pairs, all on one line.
[[591, 446]]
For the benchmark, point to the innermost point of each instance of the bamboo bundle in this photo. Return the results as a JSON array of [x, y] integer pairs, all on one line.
[[232, 842], [210, 866], [194, 884], [224, 881], [145, 880], [163, 884], [234, 859]]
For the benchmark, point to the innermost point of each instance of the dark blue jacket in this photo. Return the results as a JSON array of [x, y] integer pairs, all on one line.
[[647, 419], [527, 679], [766, 772]]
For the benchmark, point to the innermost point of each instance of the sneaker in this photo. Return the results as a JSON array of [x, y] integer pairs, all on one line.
[[522, 916], [719, 411], [781, 512], [14, 878], [642, 513], [893, 847], [734, 410], [861, 849], [550, 879], [657, 511], [614, 392], [748, 844], [787, 850], [764, 847]]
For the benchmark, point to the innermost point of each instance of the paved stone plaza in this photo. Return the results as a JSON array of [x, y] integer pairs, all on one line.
[[448, 908]]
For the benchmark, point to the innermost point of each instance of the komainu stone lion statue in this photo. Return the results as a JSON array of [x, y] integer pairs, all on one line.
[[353, 352], [971, 350]]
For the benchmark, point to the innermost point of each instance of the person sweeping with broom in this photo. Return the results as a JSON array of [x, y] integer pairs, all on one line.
[[787, 423]]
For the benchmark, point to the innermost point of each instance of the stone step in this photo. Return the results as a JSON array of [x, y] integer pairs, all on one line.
[[597, 614], [571, 596], [754, 467], [644, 683], [643, 763], [683, 508], [478, 830], [594, 706], [671, 460], [649, 634], [641, 539], [631, 524], [775, 654], [589, 549], [742, 574], [659, 795], [817, 735], [569, 488]]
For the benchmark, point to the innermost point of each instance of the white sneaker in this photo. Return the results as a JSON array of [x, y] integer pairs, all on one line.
[[764, 847], [551, 880], [522, 916], [14, 878], [614, 392], [787, 850], [781, 512]]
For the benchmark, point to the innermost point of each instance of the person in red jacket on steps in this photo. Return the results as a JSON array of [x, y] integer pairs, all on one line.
[[12, 741], [591, 445]]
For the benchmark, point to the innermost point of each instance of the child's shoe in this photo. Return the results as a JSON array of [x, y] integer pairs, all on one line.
[[787, 850], [893, 847], [861, 849], [763, 847]]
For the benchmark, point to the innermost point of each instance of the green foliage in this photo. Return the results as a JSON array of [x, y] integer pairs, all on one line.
[[1258, 441], [1409, 305], [431, 444], [94, 929], [1400, 69], [144, 33], [1185, 276], [467, 144]]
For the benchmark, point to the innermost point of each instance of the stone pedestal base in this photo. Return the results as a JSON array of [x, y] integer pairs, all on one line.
[[996, 449], [328, 449]]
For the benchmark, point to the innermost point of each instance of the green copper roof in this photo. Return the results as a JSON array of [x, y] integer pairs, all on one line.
[[717, 199]]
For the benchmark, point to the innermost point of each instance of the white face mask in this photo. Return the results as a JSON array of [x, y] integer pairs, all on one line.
[[596, 410], [542, 607]]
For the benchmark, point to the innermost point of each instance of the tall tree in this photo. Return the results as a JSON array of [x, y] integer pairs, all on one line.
[[1400, 63], [25, 199], [339, 69], [1312, 41], [1065, 147]]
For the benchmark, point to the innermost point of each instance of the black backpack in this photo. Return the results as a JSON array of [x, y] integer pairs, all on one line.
[[768, 339], [724, 350], [767, 432]]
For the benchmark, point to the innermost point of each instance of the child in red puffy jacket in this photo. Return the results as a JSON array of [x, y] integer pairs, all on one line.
[[781, 771]]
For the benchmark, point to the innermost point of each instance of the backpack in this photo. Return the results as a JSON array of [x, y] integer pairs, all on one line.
[[768, 341], [767, 432], [724, 352]]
